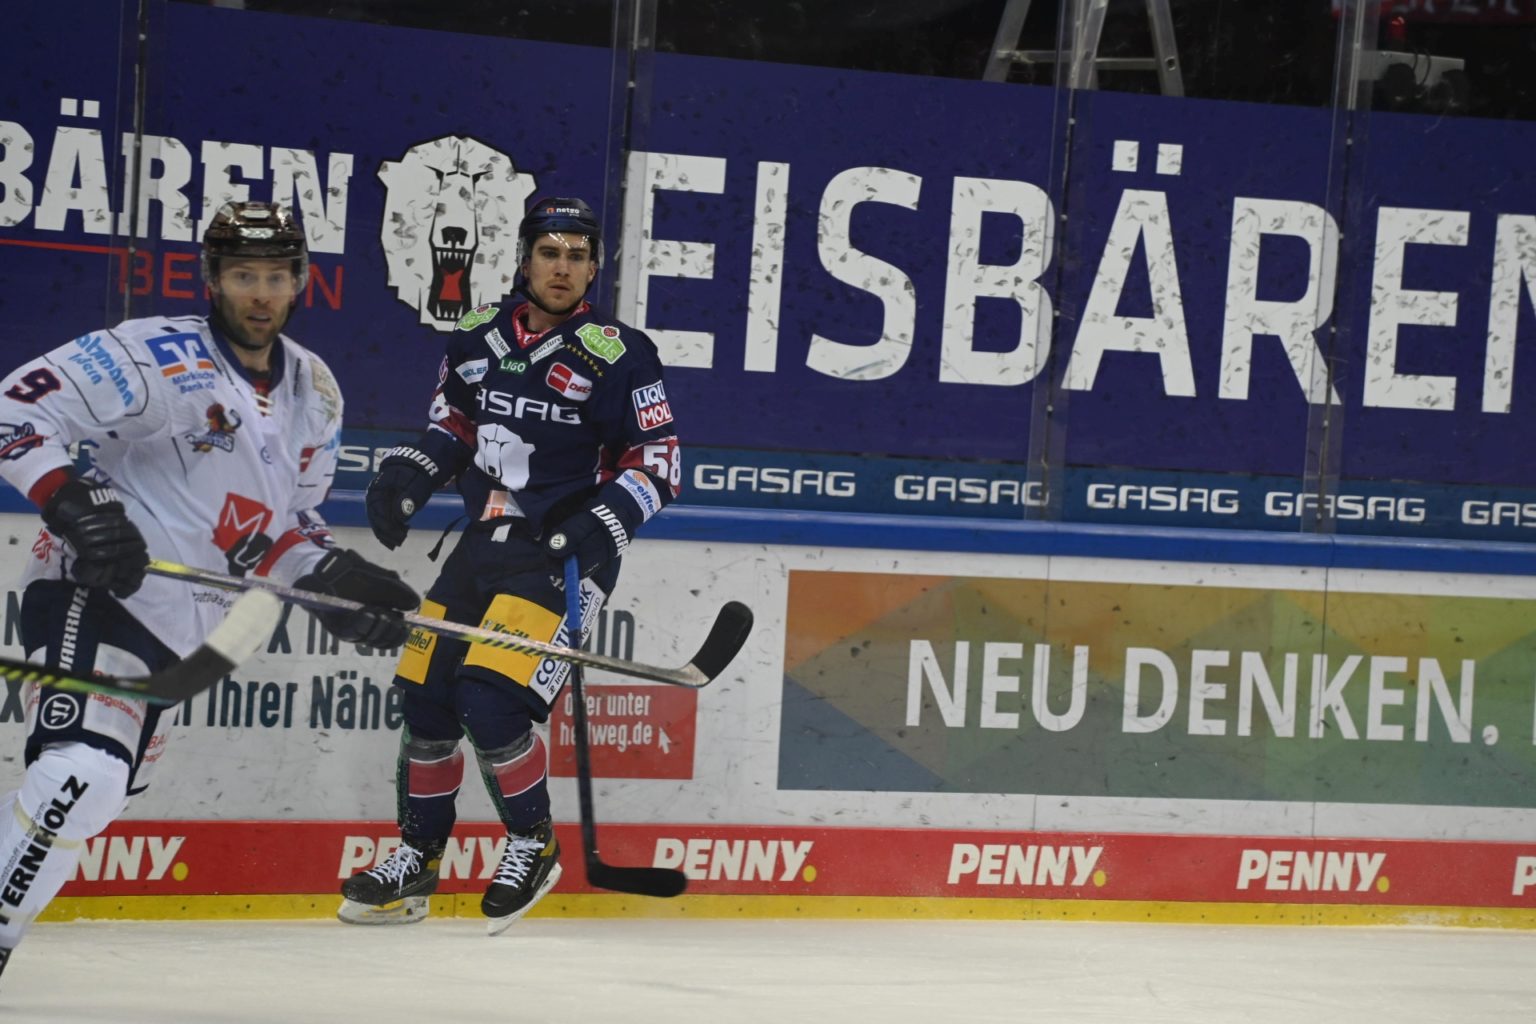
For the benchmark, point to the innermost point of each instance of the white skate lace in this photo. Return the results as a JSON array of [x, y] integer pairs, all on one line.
[[517, 859], [404, 861]]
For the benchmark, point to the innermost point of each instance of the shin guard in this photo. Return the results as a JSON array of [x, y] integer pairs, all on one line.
[[428, 775], [516, 776]]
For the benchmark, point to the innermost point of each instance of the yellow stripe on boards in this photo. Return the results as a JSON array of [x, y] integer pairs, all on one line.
[[467, 905]]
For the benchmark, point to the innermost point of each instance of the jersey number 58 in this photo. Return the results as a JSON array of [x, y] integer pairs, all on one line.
[[661, 459]]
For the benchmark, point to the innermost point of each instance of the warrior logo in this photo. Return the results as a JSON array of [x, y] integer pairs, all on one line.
[[451, 211], [222, 425]]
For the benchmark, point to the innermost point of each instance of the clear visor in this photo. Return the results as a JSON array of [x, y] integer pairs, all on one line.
[[257, 277]]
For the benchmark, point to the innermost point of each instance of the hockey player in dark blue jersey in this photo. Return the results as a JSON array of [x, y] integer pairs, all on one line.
[[555, 422]]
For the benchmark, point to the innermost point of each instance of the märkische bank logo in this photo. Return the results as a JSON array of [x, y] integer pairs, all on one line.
[[451, 210]]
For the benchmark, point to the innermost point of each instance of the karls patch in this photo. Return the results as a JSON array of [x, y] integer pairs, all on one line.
[[602, 342], [651, 406], [568, 382], [477, 316]]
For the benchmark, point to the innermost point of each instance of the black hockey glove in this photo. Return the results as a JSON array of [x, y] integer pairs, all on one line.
[[347, 574], [246, 553], [406, 479], [596, 536], [109, 550]]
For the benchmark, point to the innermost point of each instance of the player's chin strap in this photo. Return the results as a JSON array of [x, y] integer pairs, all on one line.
[[726, 637]]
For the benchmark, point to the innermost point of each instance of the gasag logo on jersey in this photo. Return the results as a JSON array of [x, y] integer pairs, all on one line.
[[220, 434], [184, 360], [472, 371], [449, 207], [568, 382], [602, 342], [651, 406], [16, 439], [502, 403]]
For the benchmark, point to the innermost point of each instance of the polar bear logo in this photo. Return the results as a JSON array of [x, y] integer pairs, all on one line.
[[451, 210]]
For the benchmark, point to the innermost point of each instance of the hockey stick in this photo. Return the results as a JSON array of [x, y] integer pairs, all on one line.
[[246, 627], [641, 881], [725, 638]]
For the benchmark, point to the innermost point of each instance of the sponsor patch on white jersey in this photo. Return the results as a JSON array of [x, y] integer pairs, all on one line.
[[651, 406], [569, 383], [472, 371]]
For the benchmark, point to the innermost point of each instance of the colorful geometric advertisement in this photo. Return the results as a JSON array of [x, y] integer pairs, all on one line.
[[937, 684]]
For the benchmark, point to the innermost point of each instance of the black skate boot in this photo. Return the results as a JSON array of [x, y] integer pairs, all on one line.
[[395, 892], [530, 867]]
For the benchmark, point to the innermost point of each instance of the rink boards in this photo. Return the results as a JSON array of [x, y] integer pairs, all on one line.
[[1024, 730], [197, 869]]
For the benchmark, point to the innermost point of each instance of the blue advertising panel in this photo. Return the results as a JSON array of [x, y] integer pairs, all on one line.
[[867, 286]]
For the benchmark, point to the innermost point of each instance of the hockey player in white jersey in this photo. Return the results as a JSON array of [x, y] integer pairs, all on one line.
[[214, 440]]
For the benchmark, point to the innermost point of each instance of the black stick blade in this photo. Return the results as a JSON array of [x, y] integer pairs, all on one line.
[[659, 882], [726, 638]]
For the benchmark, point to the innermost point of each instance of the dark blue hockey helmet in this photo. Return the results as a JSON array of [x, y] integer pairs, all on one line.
[[560, 215]]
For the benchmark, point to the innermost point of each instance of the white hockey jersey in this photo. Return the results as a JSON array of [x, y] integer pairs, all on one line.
[[200, 457]]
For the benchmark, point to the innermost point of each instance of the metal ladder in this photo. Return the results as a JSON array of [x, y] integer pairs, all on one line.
[[1085, 62]]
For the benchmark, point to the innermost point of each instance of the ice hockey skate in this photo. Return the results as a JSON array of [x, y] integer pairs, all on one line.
[[398, 891], [530, 867]]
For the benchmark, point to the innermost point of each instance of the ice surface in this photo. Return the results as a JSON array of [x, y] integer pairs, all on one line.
[[590, 971]]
